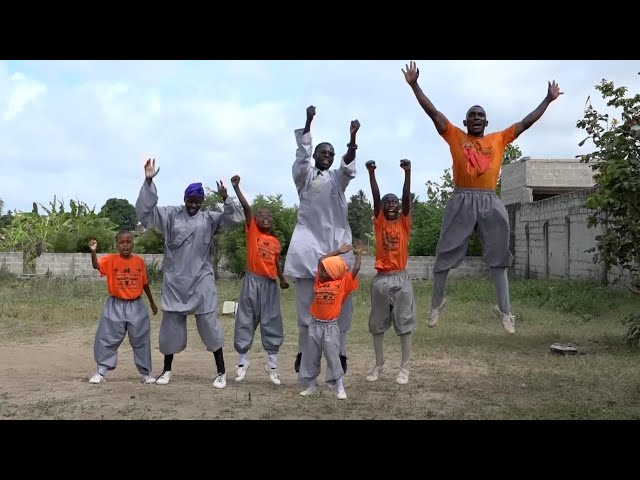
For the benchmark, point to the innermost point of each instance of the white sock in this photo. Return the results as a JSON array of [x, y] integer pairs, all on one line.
[[340, 385], [242, 359], [102, 370], [273, 360]]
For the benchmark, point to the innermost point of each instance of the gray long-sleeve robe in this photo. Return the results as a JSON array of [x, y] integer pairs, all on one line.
[[323, 225], [188, 284]]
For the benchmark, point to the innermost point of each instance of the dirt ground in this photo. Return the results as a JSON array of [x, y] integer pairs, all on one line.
[[50, 381]]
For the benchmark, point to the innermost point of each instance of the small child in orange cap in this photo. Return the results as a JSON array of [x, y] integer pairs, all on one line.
[[333, 284]]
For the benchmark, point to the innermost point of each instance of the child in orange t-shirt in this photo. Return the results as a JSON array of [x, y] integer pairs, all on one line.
[[333, 284], [392, 300], [124, 311], [259, 301], [474, 205]]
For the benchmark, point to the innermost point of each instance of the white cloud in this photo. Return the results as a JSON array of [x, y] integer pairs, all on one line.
[[22, 92], [82, 129]]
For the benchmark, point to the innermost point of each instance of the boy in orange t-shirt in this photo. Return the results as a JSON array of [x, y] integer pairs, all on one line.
[[392, 300], [333, 284], [124, 311], [474, 205], [259, 301]]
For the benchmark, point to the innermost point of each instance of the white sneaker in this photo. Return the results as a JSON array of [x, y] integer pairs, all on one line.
[[508, 320], [375, 373], [273, 374], [241, 371], [97, 378], [164, 378], [148, 379], [342, 395], [434, 314], [309, 391], [220, 381], [403, 377]]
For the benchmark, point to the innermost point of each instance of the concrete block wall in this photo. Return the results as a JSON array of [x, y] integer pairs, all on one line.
[[552, 240], [12, 262], [79, 265]]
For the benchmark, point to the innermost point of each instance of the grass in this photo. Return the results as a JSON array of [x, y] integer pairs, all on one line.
[[465, 368]]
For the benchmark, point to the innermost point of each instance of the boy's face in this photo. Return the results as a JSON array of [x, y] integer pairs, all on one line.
[[264, 219], [390, 207], [124, 243], [322, 274], [193, 205]]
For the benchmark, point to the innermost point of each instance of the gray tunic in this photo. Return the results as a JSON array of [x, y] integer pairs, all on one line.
[[188, 283], [322, 224]]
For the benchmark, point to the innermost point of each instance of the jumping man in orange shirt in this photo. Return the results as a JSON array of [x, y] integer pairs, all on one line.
[[259, 301], [477, 159], [392, 301], [124, 310]]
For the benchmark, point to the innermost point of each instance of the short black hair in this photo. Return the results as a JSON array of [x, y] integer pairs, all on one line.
[[387, 197], [122, 232]]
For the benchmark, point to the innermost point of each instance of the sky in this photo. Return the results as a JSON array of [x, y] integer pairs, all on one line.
[[82, 130]]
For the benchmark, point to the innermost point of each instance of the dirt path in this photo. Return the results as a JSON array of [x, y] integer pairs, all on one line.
[[49, 381]]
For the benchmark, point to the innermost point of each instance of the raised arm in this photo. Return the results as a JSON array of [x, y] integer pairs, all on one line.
[[375, 191], [340, 251], [147, 210], [304, 153], [248, 215], [350, 156], [406, 189], [411, 76], [552, 93], [232, 214], [93, 247]]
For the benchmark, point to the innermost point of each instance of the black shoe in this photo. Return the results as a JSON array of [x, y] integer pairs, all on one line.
[[296, 366], [343, 361]]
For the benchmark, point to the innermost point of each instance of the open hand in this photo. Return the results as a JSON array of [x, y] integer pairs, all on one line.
[[554, 91], [222, 190], [411, 73], [345, 248], [150, 169]]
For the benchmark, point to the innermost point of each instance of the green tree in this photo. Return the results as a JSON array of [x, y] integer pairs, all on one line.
[[511, 154], [615, 201], [360, 214], [57, 230], [120, 212], [438, 196]]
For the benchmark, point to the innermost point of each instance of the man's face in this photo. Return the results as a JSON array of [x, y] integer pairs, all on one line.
[[324, 156], [476, 121], [193, 204]]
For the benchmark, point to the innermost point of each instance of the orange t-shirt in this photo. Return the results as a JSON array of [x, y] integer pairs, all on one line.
[[392, 242], [126, 277], [477, 161], [263, 251], [328, 297]]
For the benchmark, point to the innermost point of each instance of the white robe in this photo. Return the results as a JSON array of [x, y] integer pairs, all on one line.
[[323, 225]]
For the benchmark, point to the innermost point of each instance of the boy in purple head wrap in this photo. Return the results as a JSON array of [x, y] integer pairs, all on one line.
[[188, 283]]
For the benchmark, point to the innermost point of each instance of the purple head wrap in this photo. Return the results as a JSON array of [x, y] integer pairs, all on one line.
[[194, 190]]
